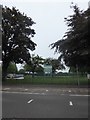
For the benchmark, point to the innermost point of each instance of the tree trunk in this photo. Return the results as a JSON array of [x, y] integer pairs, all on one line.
[[4, 70]]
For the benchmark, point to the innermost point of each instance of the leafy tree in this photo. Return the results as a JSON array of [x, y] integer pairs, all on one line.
[[21, 71], [27, 67], [16, 37], [12, 68], [39, 70], [35, 64], [74, 48]]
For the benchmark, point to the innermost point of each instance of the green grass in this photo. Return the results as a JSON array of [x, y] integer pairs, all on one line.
[[62, 80]]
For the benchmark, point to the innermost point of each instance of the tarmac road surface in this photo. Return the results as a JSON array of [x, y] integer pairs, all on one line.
[[44, 103]]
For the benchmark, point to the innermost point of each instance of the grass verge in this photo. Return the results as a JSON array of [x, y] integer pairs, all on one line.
[[61, 80]]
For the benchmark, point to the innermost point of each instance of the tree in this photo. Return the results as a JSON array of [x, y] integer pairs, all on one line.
[[35, 64], [39, 70], [74, 48], [12, 68], [16, 37], [21, 71]]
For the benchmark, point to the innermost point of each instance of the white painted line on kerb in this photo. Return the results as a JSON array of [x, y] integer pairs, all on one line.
[[6, 88], [30, 101], [70, 103], [77, 95], [23, 93]]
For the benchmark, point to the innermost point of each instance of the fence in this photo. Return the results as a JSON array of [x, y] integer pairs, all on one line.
[[60, 79]]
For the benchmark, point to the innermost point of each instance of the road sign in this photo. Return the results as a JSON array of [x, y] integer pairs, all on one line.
[[48, 69]]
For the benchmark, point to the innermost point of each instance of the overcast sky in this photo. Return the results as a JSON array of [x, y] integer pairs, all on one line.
[[49, 17]]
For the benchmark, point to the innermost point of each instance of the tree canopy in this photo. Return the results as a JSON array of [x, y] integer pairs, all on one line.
[[74, 47], [34, 64], [16, 37], [12, 68]]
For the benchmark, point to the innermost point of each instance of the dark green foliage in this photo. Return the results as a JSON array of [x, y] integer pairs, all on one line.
[[21, 71], [34, 64], [12, 68], [16, 37], [74, 48]]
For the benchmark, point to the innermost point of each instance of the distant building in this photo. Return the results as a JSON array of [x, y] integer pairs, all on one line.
[[47, 69]]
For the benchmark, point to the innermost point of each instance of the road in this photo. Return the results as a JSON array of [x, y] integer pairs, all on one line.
[[44, 104]]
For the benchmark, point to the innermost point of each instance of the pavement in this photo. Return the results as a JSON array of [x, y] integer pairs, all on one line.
[[61, 89]]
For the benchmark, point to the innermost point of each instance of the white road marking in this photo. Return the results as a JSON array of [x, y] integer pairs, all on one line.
[[46, 90], [69, 91], [6, 88], [79, 95], [70, 103], [30, 101], [23, 93], [26, 89]]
